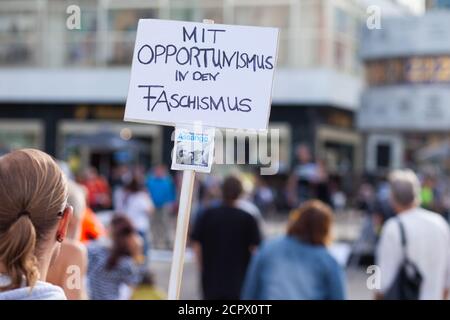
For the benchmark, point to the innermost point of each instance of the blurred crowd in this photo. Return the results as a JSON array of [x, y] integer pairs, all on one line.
[[85, 236]]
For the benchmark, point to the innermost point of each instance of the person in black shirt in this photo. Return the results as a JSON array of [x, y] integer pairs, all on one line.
[[224, 239]]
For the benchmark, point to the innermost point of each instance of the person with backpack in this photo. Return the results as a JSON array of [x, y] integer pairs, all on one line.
[[413, 252]]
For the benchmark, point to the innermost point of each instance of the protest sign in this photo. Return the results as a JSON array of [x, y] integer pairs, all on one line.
[[198, 77], [216, 75]]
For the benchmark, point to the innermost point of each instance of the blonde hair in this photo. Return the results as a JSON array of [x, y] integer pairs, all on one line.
[[33, 191]]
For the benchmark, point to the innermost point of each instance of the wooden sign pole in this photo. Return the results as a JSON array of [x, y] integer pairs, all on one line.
[[184, 212]]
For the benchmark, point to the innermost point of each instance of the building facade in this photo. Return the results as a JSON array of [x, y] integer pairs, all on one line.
[[58, 83], [405, 111]]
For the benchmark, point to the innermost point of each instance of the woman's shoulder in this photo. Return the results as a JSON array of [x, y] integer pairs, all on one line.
[[75, 248], [46, 291], [274, 245], [300, 246], [327, 258], [74, 252], [40, 291]]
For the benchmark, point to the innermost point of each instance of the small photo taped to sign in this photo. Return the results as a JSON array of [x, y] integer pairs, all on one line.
[[193, 149]]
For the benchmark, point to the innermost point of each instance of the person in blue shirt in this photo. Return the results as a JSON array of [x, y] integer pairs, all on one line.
[[297, 266], [162, 189]]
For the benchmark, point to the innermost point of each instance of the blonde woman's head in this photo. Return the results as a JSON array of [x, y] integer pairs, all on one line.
[[33, 214]]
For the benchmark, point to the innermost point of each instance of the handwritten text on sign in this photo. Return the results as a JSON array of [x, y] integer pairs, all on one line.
[[185, 73]]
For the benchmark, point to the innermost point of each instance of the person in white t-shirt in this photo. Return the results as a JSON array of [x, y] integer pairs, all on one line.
[[137, 205], [427, 240]]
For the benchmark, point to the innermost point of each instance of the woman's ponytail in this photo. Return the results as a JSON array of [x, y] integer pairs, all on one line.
[[17, 247], [33, 191]]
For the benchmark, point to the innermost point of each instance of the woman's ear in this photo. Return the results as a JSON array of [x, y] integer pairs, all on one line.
[[64, 223]]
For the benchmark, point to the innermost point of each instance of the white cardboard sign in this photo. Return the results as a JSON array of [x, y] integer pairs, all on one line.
[[202, 74]]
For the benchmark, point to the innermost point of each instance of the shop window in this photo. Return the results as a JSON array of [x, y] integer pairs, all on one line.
[[122, 26], [342, 20], [82, 44], [20, 134], [182, 14], [19, 37]]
